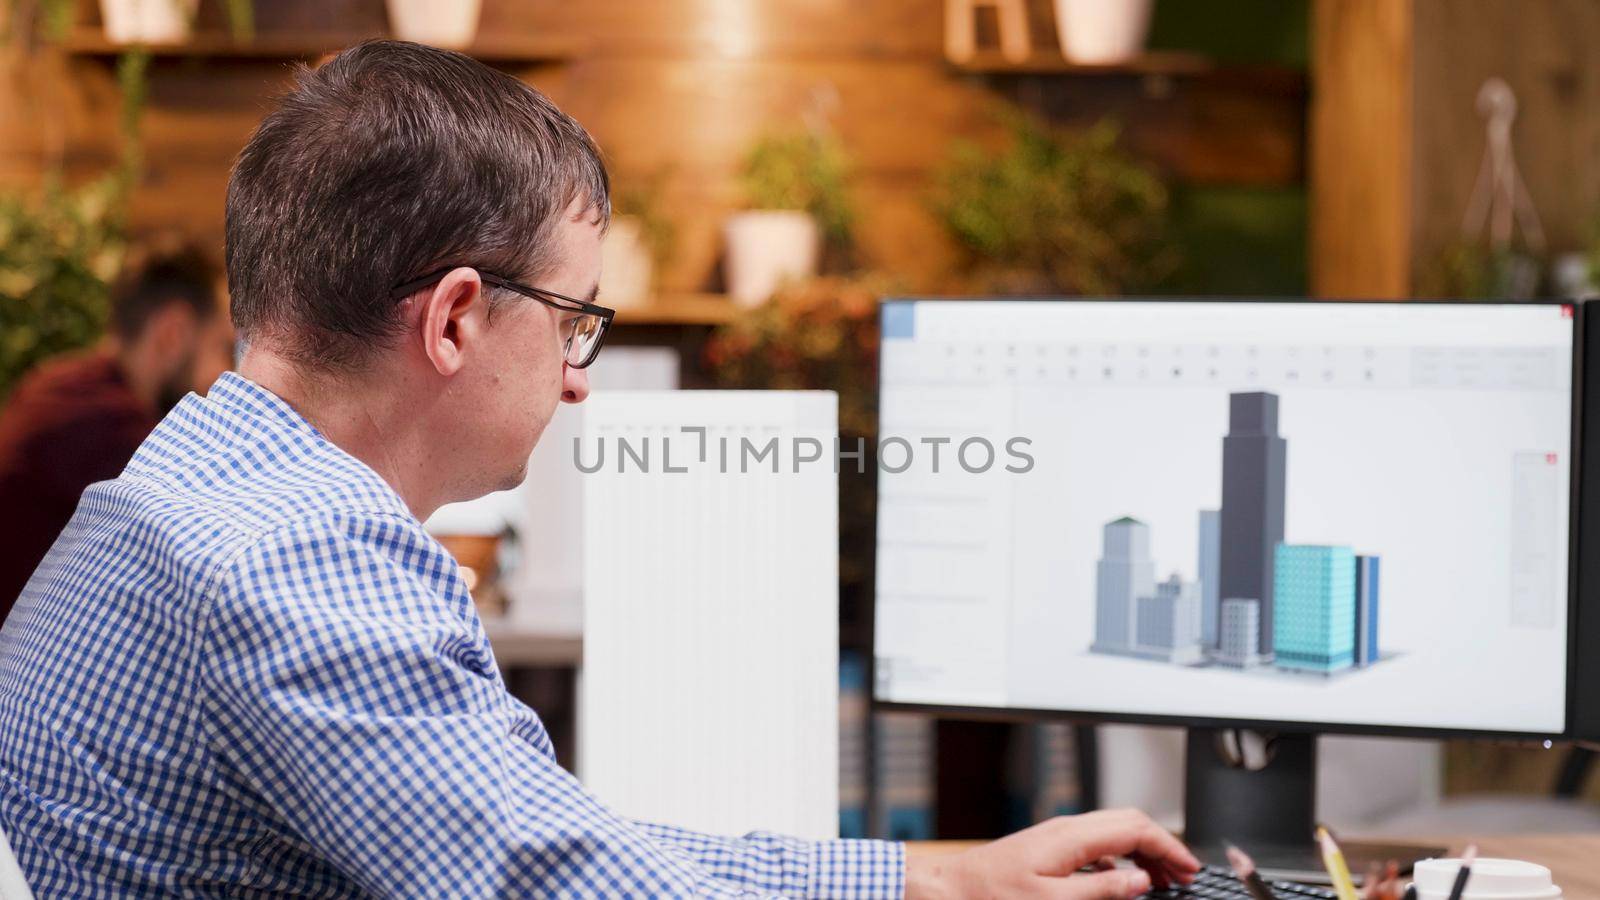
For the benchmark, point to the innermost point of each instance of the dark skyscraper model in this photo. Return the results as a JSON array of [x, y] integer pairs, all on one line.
[[1254, 464]]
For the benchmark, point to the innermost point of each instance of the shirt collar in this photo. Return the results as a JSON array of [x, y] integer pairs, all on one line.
[[236, 391], [238, 395]]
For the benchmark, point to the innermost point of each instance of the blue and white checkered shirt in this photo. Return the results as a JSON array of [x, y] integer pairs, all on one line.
[[245, 669]]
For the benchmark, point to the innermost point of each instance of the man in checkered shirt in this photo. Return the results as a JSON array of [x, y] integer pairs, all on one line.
[[245, 669]]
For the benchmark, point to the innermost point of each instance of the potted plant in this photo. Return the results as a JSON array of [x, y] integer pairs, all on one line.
[[1575, 274], [440, 23], [57, 253], [148, 21], [1472, 270], [60, 247], [795, 186], [130, 22], [1102, 32], [639, 239], [1055, 212]]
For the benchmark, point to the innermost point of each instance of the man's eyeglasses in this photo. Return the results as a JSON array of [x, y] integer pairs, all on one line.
[[585, 331]]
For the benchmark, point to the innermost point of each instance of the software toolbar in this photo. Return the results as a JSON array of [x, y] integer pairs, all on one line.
[[1226, 365]]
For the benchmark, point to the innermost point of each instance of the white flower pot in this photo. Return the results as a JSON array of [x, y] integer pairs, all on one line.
[[1102, 32], [148, 21], [438, 23], [765, 249], [626, 266]]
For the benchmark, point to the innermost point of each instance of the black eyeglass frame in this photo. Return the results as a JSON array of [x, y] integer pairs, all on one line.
[[548, 298]]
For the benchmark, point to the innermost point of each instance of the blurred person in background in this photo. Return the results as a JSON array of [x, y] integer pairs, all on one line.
[[78, 419]]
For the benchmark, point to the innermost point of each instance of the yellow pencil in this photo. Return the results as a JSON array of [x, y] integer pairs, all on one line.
[[1337, 869]]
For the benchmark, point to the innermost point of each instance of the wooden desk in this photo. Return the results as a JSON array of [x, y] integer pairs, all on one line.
[[1574, 859], [518, 645]]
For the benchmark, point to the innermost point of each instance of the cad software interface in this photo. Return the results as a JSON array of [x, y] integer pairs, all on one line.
[[1343, 513]]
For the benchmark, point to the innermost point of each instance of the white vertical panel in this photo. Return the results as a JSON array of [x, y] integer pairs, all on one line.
[[546, 590], [709, 696]]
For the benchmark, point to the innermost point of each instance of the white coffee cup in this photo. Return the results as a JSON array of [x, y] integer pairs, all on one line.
[[1491, 879]]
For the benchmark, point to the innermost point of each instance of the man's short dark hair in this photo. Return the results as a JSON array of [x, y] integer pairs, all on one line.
[[388, 162], [159, 274]]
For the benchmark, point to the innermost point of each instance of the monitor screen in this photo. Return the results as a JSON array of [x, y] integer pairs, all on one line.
[[1345, 514]]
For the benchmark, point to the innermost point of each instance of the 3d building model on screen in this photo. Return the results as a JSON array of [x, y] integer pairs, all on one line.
[[1259, 602]]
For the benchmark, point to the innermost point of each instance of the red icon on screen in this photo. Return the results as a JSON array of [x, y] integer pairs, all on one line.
[[1550, 459], [1566, 310]]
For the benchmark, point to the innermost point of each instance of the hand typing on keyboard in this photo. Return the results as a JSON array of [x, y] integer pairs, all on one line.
[[1217, 883], [1044, 861]]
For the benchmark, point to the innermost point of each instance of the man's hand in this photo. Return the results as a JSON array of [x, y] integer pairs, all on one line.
[[1043, 861]]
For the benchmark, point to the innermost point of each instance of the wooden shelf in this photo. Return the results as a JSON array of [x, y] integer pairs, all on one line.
[[680, 309], [93, 42], [1256, 78], [990, 62]]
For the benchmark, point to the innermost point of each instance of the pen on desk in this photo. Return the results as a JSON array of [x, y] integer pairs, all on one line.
[[1245, 868], [1338, 871], [1468, 857]]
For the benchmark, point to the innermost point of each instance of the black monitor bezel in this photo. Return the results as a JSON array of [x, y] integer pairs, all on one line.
[[1575, 534]]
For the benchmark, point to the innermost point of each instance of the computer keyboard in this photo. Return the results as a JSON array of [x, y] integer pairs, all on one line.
[[1218, 883]]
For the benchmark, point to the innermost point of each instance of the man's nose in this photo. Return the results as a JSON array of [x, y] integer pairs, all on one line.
[[574, 385]]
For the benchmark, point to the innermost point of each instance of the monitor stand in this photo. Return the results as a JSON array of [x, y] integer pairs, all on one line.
[[1263, 797]]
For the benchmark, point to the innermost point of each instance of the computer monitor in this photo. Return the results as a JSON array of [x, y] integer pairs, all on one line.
[[1289, 517]]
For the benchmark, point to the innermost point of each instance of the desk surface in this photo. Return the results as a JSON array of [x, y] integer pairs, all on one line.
[[1574, 860], [516, 644]]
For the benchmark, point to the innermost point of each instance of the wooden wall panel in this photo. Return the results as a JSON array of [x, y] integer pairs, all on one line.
[[703, 114], [1545, 50], [51, 108], [1230, 129], [1397, 138], [735, 29], [682, 87], [1360, 176]]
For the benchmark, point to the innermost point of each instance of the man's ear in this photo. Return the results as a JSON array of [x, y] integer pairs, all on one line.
[[449, 318]]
